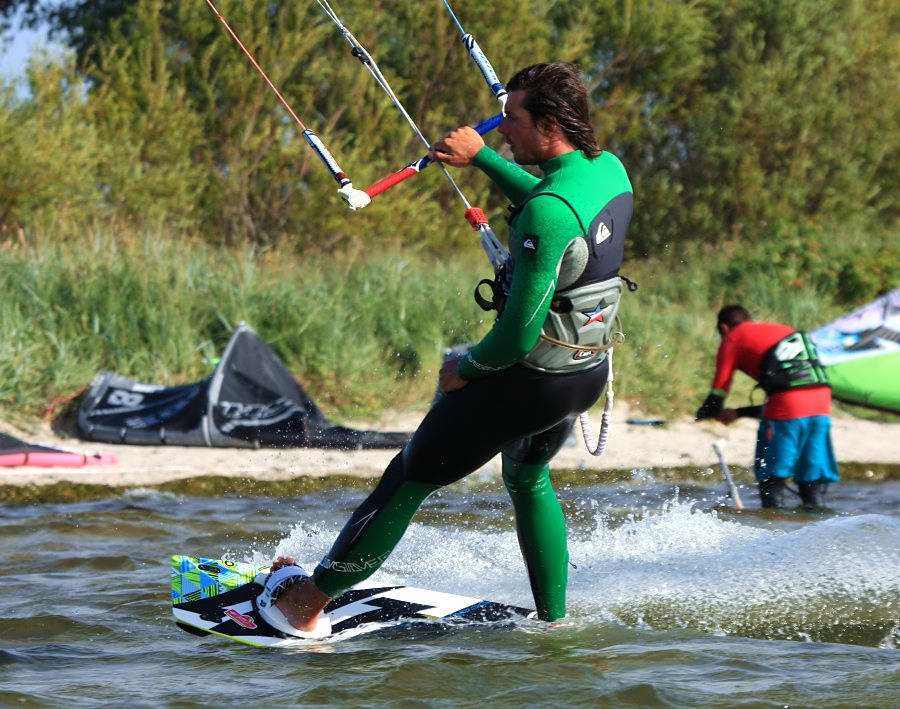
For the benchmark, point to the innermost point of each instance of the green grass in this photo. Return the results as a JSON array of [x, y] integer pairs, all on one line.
[[360, 334], [362, 331]]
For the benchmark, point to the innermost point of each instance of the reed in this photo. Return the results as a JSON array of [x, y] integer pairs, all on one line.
[[362, 331]]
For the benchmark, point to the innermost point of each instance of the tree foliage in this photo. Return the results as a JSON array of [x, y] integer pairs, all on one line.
[[736, 118]]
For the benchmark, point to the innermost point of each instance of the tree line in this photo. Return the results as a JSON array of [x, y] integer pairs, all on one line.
[[737, 119]]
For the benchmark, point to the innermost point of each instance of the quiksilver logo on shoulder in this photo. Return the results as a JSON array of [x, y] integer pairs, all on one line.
[[530, 242], [603, 233]]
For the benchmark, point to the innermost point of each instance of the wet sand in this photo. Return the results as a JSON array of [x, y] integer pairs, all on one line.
[[678, 442]]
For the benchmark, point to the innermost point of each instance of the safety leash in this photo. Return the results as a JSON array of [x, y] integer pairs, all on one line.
[[587, 431]]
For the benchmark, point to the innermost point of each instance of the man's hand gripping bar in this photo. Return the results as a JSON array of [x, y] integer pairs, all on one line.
[[357, 199]]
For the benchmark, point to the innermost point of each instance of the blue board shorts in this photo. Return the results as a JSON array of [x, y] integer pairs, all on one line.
[[798, 448]]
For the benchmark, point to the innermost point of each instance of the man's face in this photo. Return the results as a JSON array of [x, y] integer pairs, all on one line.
[[529, 145]]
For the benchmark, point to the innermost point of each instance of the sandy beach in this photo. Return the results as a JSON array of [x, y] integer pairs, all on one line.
[[633, 444]]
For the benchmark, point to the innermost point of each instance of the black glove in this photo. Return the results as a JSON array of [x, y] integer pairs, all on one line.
[[711, 408]]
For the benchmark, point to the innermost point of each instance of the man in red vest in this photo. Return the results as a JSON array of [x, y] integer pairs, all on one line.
[[794, 438]]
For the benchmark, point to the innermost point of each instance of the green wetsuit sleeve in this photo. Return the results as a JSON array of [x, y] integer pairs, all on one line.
[[515, 182], [543, 230]]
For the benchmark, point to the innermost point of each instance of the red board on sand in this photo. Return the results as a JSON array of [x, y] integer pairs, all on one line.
[[15, 453]]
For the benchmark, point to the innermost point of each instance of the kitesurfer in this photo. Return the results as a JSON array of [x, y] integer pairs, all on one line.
[[544, 361], [794, 437]]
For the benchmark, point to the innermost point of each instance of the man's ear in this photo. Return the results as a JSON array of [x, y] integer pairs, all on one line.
[[548, 124]]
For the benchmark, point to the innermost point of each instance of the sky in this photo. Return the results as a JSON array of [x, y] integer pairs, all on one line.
[[16, 47]]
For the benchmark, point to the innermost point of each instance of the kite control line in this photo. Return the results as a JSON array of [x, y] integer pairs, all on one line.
[[487, 71], [489, 241], [490, 76], [732, 488], [353, 196]]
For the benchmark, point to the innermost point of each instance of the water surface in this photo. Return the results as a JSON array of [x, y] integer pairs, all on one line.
[[675, 600]]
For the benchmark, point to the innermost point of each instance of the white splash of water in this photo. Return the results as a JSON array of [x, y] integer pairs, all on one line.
[[685, 568], [671, 567], [461, 561]]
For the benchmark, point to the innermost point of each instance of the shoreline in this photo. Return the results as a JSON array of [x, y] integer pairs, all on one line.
[[678, 443]]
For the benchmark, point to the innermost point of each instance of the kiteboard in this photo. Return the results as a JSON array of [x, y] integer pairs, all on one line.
[[218, 597]]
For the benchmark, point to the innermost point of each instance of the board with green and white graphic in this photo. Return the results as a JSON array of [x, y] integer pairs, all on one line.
[[218, 597]]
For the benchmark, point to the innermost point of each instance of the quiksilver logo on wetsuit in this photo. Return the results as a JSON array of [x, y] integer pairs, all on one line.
[[603, 233], [530, 242]]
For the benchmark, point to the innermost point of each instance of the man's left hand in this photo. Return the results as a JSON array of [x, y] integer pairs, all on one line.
[[711, 407]]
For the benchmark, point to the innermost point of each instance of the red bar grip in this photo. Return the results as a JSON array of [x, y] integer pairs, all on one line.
[[390, 181], [475, 217]]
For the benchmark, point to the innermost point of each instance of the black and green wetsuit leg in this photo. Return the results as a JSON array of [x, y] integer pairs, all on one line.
[[371, 534], [517, 407], [540, 522]]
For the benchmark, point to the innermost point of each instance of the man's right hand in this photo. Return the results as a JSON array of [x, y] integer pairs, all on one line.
[[458, 148], [710, 408], [448, 379], [728, 416]]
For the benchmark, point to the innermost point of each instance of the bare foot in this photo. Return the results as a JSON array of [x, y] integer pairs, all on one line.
[[301, 602]]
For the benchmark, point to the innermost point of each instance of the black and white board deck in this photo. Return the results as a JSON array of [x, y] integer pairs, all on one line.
[[218, 597]]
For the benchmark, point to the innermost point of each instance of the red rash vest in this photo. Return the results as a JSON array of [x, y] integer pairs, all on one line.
[[743, 349]]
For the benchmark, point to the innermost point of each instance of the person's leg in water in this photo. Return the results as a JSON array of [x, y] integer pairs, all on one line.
[[777, 453], [456, 437], [816, 466], [773, 465], [771, 493], [540, 522], [771, 488], [812, 495]]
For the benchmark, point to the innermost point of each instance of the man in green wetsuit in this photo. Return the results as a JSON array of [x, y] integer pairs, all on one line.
[[544, 361]]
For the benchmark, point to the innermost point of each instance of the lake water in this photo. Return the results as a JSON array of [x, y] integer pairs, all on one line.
[[675, 601]]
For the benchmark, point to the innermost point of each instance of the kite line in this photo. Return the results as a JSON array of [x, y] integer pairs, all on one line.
[[492, 246], [347, 191]]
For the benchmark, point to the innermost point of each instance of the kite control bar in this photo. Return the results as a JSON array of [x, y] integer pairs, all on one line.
[[416, 167]]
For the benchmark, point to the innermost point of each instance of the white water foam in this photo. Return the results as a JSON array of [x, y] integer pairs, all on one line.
[[685, 568], [671, 567]]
